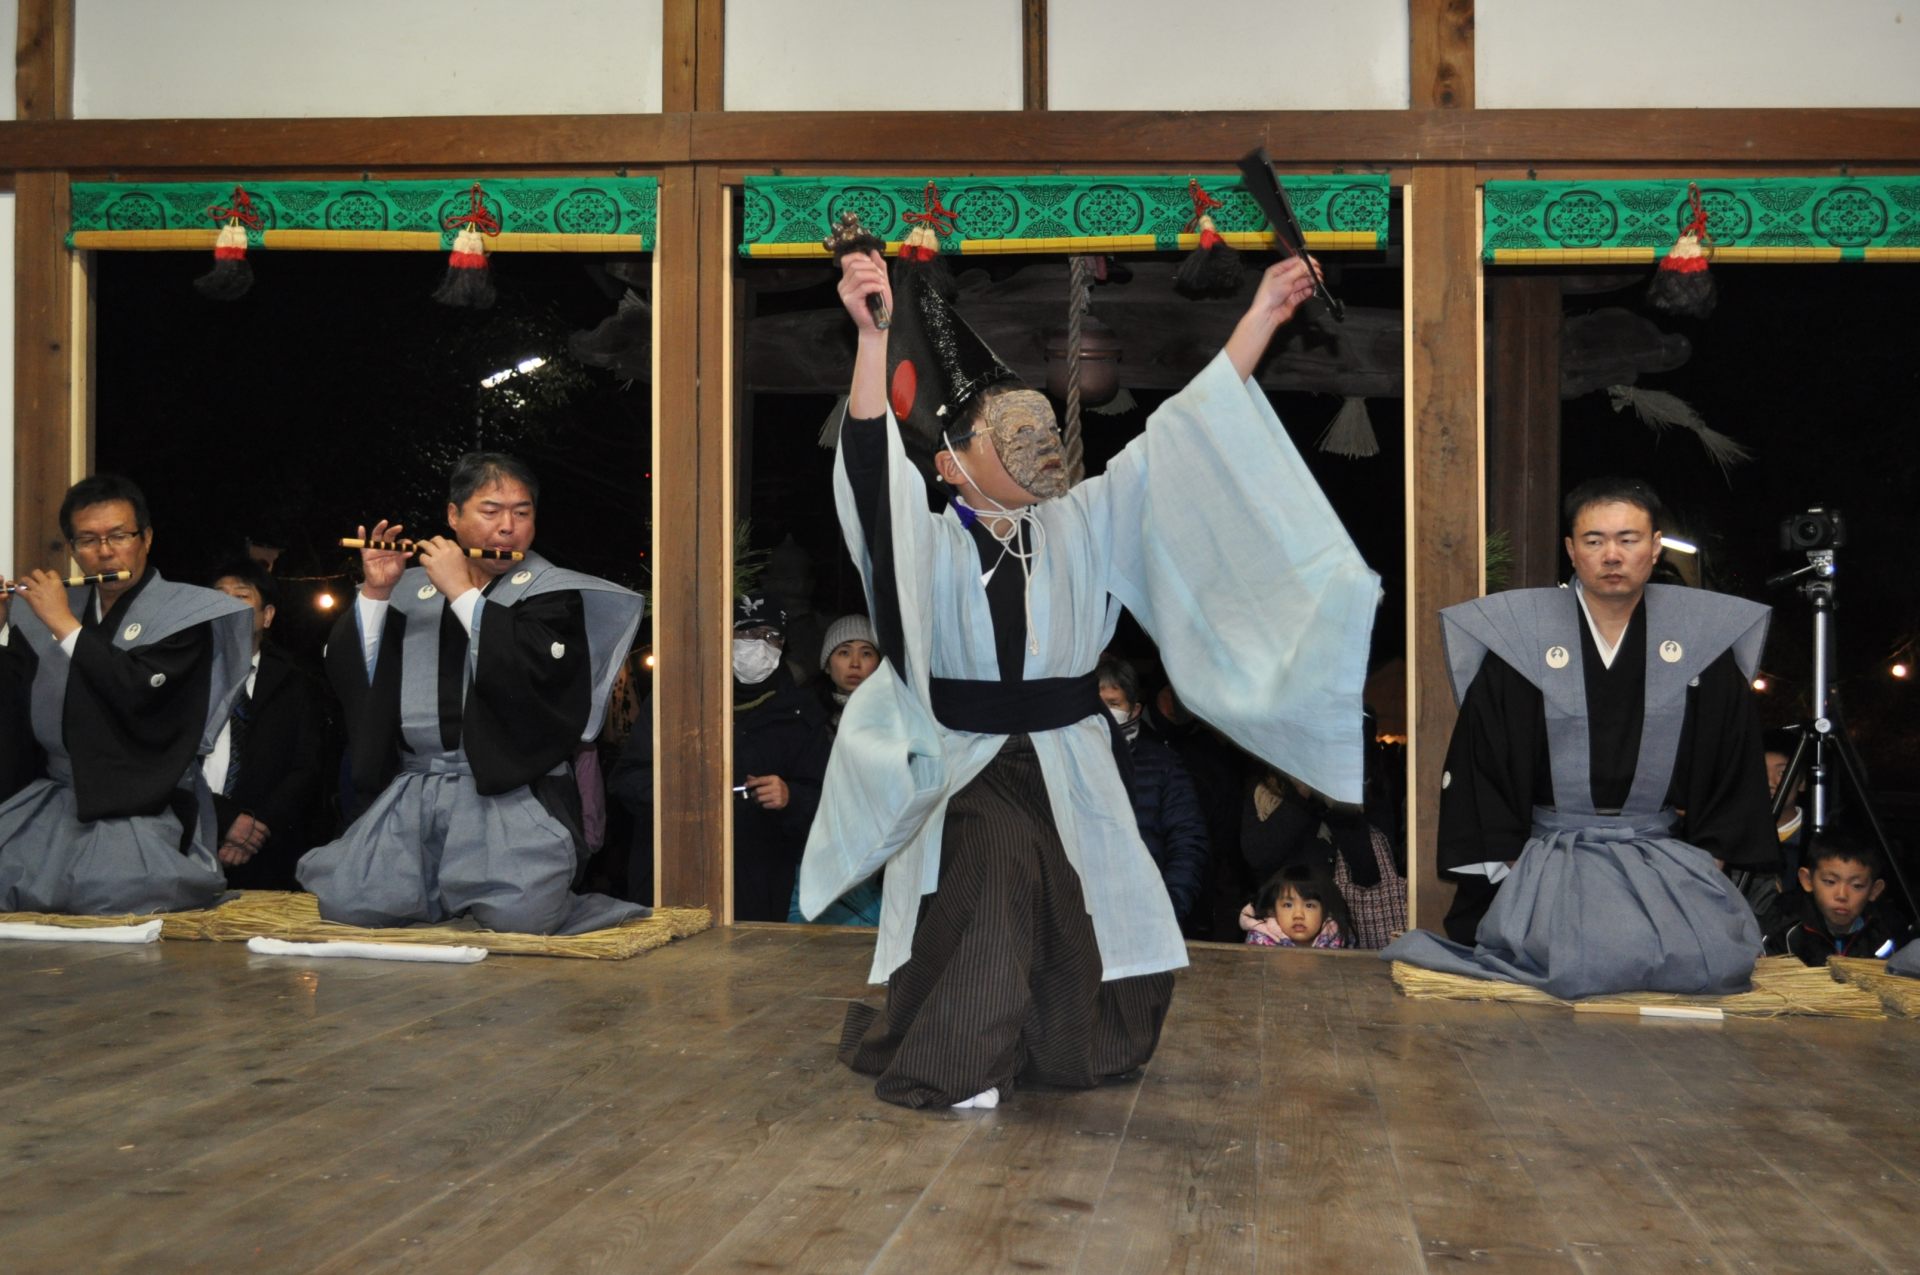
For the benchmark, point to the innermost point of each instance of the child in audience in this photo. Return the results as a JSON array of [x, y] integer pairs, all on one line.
[[1842, 879], [1299, 906]]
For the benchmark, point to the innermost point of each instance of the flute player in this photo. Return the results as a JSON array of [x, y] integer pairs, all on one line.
[[468, 683], [122, 686]]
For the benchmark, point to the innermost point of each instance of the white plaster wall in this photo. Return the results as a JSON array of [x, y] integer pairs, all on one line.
[[1730, 53], [213, 58], [6, 385], [842, 55], [1226, 55]]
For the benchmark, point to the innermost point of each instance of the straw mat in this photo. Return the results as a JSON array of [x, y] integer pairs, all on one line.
[[1900, 996], [283, 915], [1781, 986]]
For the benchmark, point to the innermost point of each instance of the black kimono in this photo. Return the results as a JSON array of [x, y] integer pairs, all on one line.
[[1575, 772], [122, 820], [467, 739]]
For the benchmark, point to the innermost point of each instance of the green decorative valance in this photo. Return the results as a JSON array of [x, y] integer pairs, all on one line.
[[534, 214], [789, 216], [1749, 219]]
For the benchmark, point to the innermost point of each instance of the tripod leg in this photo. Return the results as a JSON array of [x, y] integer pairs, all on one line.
[[1856, 778]]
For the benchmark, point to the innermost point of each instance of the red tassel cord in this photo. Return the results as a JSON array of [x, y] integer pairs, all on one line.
[[469, 282], [1682, 284], [921, 247], [1211, 268], [231, 276]]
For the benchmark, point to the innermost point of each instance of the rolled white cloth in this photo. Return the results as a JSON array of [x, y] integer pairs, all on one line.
[[33, 932], [370, 951]]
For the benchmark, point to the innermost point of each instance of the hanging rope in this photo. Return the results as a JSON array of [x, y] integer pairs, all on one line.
[[1079, 299]]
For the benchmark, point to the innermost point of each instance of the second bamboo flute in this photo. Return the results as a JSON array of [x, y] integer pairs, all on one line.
[[74, 582], [408, 546]]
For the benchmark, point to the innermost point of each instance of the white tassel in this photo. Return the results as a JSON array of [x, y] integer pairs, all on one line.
[[1660, 410], [1350, 433]]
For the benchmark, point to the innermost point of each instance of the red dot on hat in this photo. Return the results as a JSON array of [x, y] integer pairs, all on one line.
[[906, 383]]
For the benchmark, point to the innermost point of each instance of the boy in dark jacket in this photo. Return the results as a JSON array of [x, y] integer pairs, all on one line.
[[1842, 879]]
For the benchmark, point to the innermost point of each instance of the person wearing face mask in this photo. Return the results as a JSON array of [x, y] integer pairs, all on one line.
[[1025, 933], [1164, 803], [780, 744]]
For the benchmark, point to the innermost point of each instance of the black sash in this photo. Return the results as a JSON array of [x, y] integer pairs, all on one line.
[[1025, 708], [1014, 708]]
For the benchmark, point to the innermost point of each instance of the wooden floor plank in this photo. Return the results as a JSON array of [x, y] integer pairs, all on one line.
[[1183, 1194], [1607, 1212], [676, 1087], [456, 1099], [1695, 1152], [1328, 1182], [1470, 1196], [195, 1108], [1021, 1191], [1837, 1166]]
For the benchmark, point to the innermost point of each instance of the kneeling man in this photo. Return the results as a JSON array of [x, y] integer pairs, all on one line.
[[126, 684], [1605, 768], [468, 682]]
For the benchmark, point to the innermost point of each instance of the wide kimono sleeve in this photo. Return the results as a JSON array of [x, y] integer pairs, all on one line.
[[887, 770], [1720, 776], [134, 719], [20, 761], [1495, 761], [1225, 549], [532, 689], [369, 705]]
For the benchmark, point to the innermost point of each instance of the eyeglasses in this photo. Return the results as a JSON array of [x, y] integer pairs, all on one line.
[[112, 540]]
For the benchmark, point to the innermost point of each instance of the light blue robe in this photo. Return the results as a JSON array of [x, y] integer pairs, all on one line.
[[1211, 530]]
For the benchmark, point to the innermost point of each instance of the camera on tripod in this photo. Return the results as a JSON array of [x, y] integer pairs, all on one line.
[[1817, 528]]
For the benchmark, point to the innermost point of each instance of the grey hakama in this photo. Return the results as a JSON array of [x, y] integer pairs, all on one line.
[[1906, 961], [433, 845], [1602, 903], [142, 861]]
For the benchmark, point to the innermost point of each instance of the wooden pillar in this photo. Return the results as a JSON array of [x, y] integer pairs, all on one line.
[[693, 506], [693, 547], [43, 376], [1445, 549], [1523, 423]]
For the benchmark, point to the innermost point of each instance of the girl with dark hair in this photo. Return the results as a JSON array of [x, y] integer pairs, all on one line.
[[1299, 906]]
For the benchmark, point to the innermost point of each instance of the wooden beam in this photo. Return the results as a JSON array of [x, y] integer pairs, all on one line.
[[43, 62], [912, 141], [43, 301], [710, 77], [679, 55], [1033, 55], [1354, 138], [43, 402], [1441, 62], [1523, 423], [1445, 553], [692, 546], [427, 143]]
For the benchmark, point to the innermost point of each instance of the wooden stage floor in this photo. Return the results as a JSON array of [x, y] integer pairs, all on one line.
[[189, 1107]]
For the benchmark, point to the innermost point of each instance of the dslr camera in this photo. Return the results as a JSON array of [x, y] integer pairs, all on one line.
[[1817, 528]]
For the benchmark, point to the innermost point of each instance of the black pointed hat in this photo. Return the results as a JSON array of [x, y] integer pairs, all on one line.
[[936, 364]]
